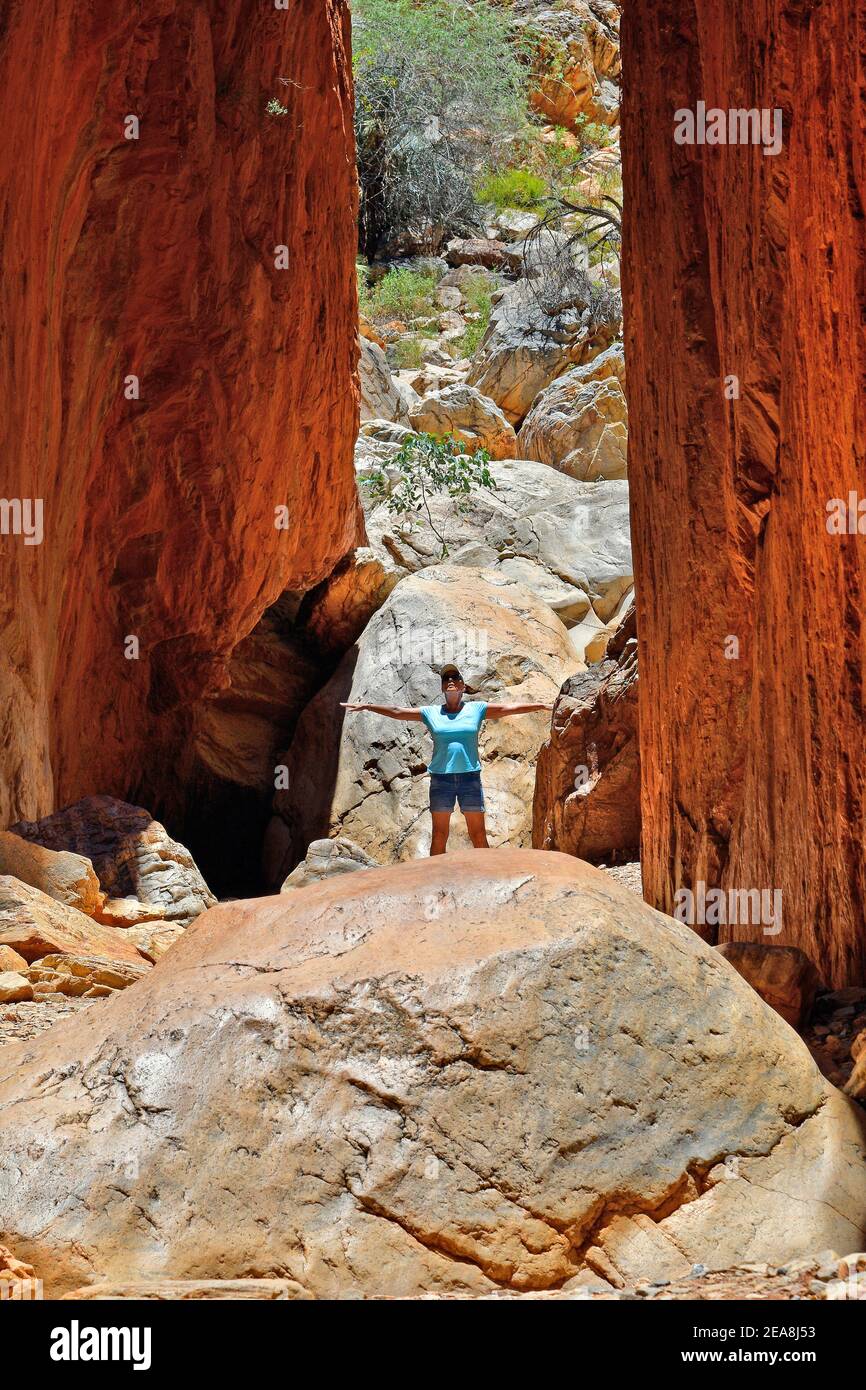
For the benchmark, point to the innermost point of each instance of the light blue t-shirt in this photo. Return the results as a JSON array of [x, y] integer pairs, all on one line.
[[455, 736]]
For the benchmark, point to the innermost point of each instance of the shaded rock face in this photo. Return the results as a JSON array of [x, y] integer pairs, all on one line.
[[336, 612], [236, 741], [239, 730], [587, 782], [131, 852], [361, 775], [784, 977], [155, 258], [291, 1094], [772, 796]]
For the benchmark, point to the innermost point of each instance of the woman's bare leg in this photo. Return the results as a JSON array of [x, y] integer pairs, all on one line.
[[477, 829], [441, 825]]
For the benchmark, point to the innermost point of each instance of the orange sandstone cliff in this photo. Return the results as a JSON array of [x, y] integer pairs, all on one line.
[[158, 257], [743, 265]]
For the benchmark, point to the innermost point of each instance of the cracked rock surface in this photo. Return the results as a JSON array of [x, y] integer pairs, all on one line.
[[490, 1070]]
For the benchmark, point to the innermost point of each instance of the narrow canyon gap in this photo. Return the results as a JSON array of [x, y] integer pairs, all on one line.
[[742, 264], [157, 257]]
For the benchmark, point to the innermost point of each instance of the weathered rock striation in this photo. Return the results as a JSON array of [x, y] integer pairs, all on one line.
[[158, 258], [496, 1069], [744, 270]]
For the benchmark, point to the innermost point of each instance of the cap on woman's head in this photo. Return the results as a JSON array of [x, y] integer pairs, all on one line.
[[450, 670]]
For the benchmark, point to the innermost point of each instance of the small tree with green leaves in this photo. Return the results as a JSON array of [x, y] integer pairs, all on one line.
[[438, 94], [423, 468]]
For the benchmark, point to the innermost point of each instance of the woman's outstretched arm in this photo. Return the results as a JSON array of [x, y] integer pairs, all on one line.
[[502, 711], [412, 714]]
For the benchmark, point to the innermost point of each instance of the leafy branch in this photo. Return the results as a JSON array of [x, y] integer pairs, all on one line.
[[424, 467]]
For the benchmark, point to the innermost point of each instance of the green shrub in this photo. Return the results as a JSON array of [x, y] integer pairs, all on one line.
[[513, 188], [408, 352], [427, 466], [477, 292], [467, 344], [404, 294], [591, 135], [438, 90]]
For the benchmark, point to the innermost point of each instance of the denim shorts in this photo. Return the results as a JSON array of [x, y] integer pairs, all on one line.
[[464, 787]]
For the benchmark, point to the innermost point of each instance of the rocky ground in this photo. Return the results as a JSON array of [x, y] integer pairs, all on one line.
[[627, 874], [825, 1277], [18, 1022]]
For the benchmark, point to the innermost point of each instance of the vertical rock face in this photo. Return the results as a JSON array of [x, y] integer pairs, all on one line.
[[587, 781], [747, 265], [158, 257]]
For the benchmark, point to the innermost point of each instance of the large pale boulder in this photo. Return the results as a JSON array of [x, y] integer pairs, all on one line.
[[68, 878], [34, 925], [363, 776], [14, 987], [462, 411], [12, 960], [525, 349], [579, 425], [587, 785], [513, 224], [432, 377], [133, 855], [567, 541], [381, 398], [490, 1070], [610, 363]]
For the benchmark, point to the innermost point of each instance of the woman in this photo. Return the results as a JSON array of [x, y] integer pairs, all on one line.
[[455, 770]]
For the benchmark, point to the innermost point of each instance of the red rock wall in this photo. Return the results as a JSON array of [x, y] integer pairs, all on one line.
[[156, 257], [741, 263]]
